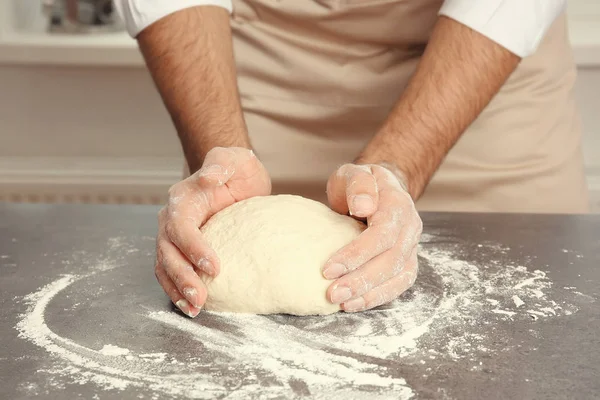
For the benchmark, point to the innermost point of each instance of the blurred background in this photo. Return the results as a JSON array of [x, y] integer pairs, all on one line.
[[80, 120]]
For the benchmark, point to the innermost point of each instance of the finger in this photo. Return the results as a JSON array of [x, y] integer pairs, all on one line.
[[361, 192], [193, 201], [180, 221], [183, 232], [396, 213], [171, 290], [381, 235], [359, 189], [369, 244], [181, 272], [387, 291], [352, 188], [372, 274]]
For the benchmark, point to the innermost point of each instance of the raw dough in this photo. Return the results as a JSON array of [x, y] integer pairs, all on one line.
[[272, 250]]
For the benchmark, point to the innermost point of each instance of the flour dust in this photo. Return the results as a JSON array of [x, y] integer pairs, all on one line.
[[446, 317]]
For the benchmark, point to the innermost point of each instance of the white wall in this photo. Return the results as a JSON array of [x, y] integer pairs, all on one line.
[[87, 112], [84, 134]]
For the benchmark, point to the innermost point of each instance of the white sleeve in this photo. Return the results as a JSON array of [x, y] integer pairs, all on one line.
[[517, 25], [139, 14]]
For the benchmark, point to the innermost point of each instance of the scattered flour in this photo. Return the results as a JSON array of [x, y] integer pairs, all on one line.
[[504, 312], [111, 350], [155, 357], [517, 300], [444, 317]]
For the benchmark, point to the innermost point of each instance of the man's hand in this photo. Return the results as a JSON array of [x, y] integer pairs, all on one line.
[[381, 263], [228, 175]]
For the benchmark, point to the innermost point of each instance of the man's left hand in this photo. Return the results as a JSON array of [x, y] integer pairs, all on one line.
[[381, 263]]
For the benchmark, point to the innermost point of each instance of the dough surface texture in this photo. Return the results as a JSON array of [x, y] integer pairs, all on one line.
[[272, 249]]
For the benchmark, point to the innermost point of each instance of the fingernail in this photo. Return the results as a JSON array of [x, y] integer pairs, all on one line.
[[340, 294], [334, 271], [357, 304], [185, 307], [206, 266], [190, 294], [362, 204]]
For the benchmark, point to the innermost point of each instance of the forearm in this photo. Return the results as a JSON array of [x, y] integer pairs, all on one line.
[[190, 57], [460, 72]]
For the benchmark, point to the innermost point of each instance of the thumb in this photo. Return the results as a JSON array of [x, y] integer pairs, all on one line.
[[353, 189]]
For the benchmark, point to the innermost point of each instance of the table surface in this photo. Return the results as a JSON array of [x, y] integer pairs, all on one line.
[[82, 317]]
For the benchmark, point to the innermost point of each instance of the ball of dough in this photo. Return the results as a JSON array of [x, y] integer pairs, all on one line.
[[272, 250]]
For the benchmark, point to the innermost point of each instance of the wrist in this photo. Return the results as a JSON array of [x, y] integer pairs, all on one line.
[[396, 162], [397, 172]]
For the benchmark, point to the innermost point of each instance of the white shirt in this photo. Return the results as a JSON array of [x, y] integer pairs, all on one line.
[[517, 25]]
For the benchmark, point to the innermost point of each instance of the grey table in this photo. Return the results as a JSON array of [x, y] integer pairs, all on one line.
[[94, 316]]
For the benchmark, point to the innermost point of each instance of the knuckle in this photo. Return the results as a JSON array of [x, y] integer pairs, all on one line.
[[171, 268], [362, 174], [174, 190], [363, 185], [175, 275], [159, 251], [360, 285], [353, 256], [172, 229], [351, 187]]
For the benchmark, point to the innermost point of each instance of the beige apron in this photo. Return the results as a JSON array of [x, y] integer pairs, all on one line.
[[318, 77]]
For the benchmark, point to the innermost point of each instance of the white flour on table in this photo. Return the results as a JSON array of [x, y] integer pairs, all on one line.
[[442, 319]]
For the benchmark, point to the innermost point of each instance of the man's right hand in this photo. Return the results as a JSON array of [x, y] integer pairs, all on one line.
[[228, 175]]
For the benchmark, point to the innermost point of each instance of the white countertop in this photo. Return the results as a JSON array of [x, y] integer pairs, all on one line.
[[118, 49]]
